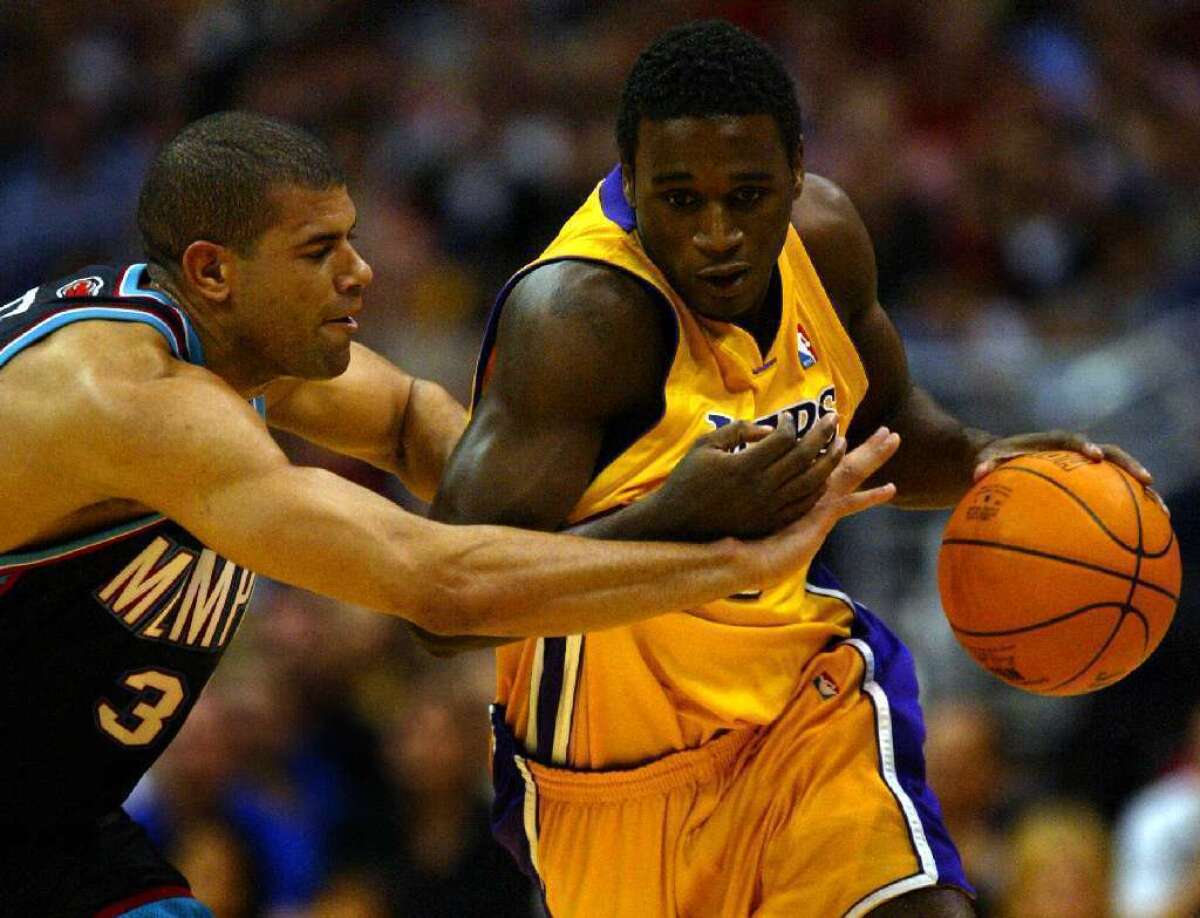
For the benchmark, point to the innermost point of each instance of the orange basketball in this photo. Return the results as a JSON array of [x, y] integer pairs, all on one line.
[[1058, 574]]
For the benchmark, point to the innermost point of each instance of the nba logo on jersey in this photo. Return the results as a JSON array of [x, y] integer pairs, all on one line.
[[84, 286], [825, 686], [804, 348]]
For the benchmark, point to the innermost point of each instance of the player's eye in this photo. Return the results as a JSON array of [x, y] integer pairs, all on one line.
[[680, 199], [748, 195], [318, 254]]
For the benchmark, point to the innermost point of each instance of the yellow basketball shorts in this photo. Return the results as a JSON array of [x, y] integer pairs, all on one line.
[[824, 812]]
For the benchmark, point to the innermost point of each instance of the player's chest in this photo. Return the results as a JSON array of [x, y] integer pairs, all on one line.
[[715, 380]]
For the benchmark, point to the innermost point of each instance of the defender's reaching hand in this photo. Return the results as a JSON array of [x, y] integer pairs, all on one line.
[[780, 555]]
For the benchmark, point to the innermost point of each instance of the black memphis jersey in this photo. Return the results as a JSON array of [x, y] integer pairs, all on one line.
[[106, 641]]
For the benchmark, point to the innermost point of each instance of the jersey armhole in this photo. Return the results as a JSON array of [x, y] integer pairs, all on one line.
[[623, 433]]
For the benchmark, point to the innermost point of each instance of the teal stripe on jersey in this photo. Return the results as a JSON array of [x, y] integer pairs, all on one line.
[[114, 313], [95, 538], [131, 285]]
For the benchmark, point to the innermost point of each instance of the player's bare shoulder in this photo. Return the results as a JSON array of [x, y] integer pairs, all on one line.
[[838, 243], [583, 321], [54, 398], [71, 378], [604, 300], [73, 401]]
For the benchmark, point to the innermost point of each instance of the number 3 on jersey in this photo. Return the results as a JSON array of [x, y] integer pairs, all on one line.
[[158, 696]]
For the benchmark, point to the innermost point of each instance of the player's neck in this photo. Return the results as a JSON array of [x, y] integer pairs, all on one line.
[[220, 355], [762, 322]]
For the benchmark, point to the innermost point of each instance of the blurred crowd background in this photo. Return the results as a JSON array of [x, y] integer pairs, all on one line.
[[1030, 173]]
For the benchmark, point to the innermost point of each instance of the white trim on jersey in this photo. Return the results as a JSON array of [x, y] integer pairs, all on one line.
[[890, 892], [535, 688], [566, 701]]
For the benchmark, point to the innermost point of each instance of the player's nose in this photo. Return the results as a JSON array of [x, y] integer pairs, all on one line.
[[357, 275], [716, 233]]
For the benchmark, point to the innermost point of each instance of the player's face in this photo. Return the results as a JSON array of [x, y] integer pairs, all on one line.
[[713, 198], [297, 293]]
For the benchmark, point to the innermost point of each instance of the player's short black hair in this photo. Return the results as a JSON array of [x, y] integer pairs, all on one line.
[[213, 181], [705, 69]]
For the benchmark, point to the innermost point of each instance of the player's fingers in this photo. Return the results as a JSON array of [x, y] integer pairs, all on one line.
[[1158, 499], [766, 451], [805, 451], [983, 469], [997, 457], [859, 501], [808, 532], [863, 461], [793, 511], [815, 477], [1118, 456], [730, 436]]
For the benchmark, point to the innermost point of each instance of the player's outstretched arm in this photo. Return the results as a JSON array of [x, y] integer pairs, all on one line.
[[940, 457], [713, 493], [146, 428], [375, 412], [582, 351]]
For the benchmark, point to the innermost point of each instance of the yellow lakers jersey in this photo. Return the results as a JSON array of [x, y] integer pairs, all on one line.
[[623, 696]]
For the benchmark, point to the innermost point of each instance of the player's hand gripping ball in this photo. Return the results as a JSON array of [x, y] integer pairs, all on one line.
[[1059, 574]]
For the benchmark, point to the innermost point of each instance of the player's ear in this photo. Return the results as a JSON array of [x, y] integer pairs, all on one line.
[[206, 267], [627, 182]]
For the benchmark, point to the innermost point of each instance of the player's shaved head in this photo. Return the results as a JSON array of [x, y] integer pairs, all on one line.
[[214, 181], [702, 70]]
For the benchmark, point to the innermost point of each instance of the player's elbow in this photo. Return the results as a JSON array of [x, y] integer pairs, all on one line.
[[439, 645], [449, 604]]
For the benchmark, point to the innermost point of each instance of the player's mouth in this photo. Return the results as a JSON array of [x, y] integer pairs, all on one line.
[[346, 321], [725, 280]]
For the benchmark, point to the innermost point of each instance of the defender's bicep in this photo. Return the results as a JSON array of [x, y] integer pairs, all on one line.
[[173, 443]]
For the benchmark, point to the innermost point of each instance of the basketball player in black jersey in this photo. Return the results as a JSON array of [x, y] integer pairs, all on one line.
[[143, 494]]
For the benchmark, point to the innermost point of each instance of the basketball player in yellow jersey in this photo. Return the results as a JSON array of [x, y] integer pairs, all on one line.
[[761, 754]]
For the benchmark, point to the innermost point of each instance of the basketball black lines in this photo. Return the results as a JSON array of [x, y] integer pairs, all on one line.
[[1063, 559], [1139, 549], [1101, 613]]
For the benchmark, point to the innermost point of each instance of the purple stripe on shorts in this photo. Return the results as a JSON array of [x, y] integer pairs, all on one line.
[[896, 675], [508, 804]]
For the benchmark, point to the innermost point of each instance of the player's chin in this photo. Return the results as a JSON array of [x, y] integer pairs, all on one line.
[[326, 362], [726, 303], [337, 362]]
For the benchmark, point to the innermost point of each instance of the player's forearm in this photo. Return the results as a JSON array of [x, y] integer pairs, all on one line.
[[505, 582], [433, 423], [934, 466], [642, 520], [312, 529]]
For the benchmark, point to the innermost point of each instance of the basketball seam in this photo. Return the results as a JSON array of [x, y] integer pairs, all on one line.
[[1003, 546], [1127, 605], [1090, 607], [1132, 549], [1099, 653]]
